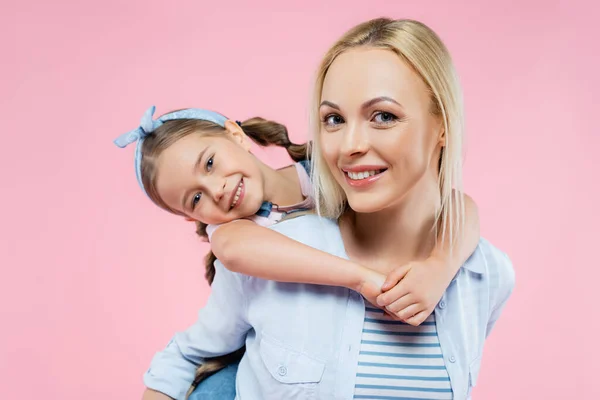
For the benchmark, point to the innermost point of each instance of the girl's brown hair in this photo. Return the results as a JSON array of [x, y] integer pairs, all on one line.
[[264, 133]]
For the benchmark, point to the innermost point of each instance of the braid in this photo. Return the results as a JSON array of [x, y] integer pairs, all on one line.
[[271, 133]]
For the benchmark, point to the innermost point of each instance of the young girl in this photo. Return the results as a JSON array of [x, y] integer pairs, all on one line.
[[197, 164]]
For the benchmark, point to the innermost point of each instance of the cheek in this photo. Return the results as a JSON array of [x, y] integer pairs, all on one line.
[[330, 147], [209, 214], [412, 151]]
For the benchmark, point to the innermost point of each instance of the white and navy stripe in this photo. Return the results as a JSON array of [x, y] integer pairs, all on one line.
[[398, 361]]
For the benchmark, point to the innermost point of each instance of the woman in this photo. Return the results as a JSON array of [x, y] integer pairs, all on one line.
[[387, 102]]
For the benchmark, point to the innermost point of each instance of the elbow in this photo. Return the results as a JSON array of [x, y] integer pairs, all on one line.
[[232, 263], [228, 253]]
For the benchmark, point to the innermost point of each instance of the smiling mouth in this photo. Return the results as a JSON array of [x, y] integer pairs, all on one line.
[[358, 176], [238, 193]]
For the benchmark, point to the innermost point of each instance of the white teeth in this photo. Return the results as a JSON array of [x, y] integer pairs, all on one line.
[[361, 175], [238, 192]]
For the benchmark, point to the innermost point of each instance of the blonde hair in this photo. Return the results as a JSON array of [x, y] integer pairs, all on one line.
[[418, 46]]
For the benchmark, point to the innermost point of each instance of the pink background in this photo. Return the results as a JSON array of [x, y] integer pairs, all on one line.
[[95, 279]]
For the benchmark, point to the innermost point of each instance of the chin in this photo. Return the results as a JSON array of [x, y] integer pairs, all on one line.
[[366, 203]]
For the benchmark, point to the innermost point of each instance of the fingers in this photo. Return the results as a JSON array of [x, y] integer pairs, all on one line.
[[400, 304], [395, 276], [406, 313], [418, 319], [393, 316], [394, 294]]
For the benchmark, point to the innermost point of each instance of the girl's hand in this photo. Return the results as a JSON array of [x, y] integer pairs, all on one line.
[[370, 285], [412, 291]]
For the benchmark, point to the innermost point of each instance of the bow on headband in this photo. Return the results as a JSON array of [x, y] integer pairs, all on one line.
[[149, 125]]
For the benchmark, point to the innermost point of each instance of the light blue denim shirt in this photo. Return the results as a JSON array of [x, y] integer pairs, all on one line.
[[302, 341]]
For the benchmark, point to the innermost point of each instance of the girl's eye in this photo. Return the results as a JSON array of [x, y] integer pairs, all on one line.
[[385, 118], [209, 163], [333, 120], [196, 199]]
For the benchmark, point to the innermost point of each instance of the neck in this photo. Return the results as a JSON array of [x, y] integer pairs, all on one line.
[[398, 234], [282, 186]]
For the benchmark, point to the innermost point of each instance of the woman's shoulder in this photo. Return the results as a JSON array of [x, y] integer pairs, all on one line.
[[496, 266], [494, 260]]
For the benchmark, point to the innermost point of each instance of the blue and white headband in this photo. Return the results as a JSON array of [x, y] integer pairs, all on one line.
[[148, 125]]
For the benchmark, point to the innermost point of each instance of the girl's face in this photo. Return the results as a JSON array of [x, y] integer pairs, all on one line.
[[378, 135], [211, 179]]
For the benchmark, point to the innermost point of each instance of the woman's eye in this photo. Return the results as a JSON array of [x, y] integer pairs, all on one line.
[[196, 199], [385, 118], [209, 163], [333, 120]]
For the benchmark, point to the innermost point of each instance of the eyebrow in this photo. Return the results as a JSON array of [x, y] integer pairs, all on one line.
[[329, 104], [184, 199], [199, 160], [380, 99], [365, 105]]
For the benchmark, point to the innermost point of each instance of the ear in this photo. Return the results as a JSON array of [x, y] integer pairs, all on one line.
[[237, 134], [442, 135]]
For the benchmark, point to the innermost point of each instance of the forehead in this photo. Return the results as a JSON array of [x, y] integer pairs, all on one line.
[[183, 152], [365, 73]]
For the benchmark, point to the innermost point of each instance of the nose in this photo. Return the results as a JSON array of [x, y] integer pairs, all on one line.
[[355, 141], [217, 189]]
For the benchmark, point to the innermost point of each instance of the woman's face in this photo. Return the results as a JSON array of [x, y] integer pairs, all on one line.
[[378, 136], [211, 179]]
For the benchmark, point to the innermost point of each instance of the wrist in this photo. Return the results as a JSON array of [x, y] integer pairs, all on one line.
[[445, 265], [357, 277]]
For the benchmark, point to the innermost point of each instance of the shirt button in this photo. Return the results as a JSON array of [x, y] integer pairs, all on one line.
[[282, 371], [452, 359], [442, 304]]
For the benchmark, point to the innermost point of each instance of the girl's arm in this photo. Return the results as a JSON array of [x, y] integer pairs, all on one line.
[[245, 247], [413, 290], [466, 244], [150, 394], [221, 329]]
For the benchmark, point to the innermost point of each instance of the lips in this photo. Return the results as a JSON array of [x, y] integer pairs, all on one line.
[[363, 175], [238, 195]]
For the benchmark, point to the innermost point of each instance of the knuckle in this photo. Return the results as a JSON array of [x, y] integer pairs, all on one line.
[[384, 299], [393, 308]]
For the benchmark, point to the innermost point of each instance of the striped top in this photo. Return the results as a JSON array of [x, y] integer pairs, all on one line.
[[398, 361]]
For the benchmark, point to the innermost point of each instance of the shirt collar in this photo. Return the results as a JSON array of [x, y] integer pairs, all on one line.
[[475, 263]]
